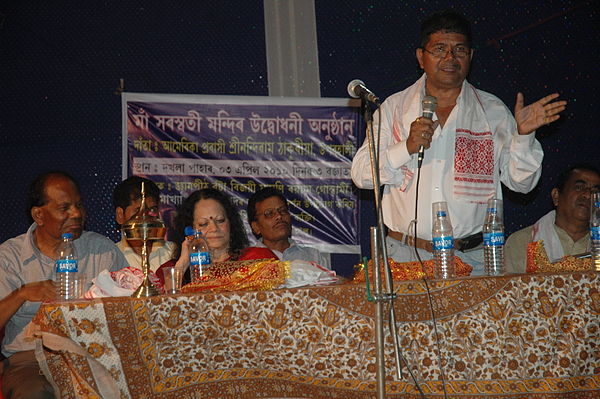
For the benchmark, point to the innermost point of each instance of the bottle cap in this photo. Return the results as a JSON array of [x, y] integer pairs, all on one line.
[[189, 231], [67, 236]]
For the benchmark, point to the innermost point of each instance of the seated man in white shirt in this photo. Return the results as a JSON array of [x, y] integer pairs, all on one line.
[[271, 222], [127, 198], [565, 230]]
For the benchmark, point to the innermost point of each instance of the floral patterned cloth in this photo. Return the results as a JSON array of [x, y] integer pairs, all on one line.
[[264, 274], [534, 336], [404, 271], [538, 261]]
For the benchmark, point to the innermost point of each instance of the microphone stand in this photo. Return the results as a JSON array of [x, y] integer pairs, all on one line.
[[378, 254]]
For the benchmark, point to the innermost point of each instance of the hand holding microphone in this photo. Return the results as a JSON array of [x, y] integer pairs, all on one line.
[[421, 130]]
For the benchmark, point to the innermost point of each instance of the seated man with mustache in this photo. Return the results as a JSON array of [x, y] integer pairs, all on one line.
[[27, 274], [565, 230], [271, 222]]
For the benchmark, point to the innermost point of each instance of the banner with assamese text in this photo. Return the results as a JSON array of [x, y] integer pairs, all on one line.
[[302, 147]]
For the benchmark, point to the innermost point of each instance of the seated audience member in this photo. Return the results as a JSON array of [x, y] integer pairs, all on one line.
[[127, 199], [212, 212], [27, 271], [271, 223], [565, 230]]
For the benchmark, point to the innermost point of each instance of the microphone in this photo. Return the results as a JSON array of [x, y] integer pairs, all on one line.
[[357, 89], [429, 106]]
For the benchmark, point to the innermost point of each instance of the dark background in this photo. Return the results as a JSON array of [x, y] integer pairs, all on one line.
[[61, 61]]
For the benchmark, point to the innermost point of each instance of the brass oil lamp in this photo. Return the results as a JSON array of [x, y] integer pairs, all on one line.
[[144, 227]]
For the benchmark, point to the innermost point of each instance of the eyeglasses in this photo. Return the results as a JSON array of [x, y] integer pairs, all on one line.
[[271, 213], [582, 187], [442, 51]]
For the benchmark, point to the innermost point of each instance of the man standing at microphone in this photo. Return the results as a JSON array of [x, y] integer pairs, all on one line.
[[472, 145]]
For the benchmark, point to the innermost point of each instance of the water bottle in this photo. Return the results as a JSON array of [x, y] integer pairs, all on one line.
[[493, 239], [443, 242], [66, 268], [199, 255], [595, 228]]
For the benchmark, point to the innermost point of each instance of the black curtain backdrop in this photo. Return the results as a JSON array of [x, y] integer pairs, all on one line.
[[61, 61]]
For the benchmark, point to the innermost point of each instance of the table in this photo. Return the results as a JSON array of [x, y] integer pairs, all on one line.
[[534, 335]]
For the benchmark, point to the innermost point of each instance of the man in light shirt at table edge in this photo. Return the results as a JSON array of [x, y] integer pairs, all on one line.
[[27, 274], [563, 231]]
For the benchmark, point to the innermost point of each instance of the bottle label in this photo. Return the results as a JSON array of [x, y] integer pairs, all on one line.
[[494, 239], [491, 210], [200, 258], [441, 214], [444, 242], [66, 265], [595, 232]]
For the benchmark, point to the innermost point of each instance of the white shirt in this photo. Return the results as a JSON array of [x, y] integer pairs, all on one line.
[[300, 252], [161, 253], [517, 158], [21, 262]]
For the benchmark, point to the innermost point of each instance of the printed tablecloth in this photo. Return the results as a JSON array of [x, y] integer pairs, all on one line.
[[533, 335]]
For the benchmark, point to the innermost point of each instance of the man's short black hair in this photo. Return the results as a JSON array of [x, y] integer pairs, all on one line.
[[36, 195], [259, 196], [130, 190], [445, 21], [565, 175]]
